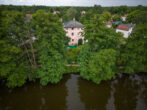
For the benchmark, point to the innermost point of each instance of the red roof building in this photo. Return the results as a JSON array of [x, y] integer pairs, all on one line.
[[123, 27], [28, 16]]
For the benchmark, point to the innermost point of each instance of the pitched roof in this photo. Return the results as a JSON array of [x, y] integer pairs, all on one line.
[[125, 15], [117, 22], [109, 23], [72, 24], [125, 27], [28, 16]]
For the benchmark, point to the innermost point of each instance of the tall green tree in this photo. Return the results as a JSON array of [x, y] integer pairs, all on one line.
[[102, 65], [50, 46], [137, 17], [97, 58], [134, 52], [106, 16], [70, 14], [13, 61]]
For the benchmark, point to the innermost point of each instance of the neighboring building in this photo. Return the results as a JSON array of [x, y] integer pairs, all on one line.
[[56, 12], [117, 22], [83, 12], [28, 17], [124, 17], [73, 31], [109, 24], [126, 29]]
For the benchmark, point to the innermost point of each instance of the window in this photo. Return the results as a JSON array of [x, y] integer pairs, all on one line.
[[72, 28], [72, 34], [72, 40]]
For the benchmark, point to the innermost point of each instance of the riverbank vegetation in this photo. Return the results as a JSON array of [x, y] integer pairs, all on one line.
[[35, 48]]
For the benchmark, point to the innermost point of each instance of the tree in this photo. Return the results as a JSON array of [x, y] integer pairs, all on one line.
[[67, 39], [80, 42], [70, 14], [50, 46], [97, 58], [13, 61], [86, 17], [117, 18], [101, 65], [134, 53], [137, 17], [106, 16]]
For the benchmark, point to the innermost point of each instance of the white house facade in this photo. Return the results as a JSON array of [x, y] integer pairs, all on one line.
[[108, 24], [124, 17], [126, 29]]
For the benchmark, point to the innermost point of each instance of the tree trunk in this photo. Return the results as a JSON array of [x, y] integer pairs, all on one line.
[[32, 49], [27, 52]]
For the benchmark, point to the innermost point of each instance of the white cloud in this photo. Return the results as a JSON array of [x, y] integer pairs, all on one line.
[[75, 2]]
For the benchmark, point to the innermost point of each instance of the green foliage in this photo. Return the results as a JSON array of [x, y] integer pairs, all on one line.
[[106, 16], [117, 18], [11, 65], [100, 37], [72, 55], [83, 59], [70, 14], [80, 42], [137, 17], [97, 58], [13, 62], [71, 69], [86, 17], [21, 59], [50, 46], [101, 65], [134, 52], [67, 39]]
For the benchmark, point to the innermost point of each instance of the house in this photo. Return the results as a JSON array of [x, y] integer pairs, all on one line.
[[124, 17], [28, 17], [74, 31], [56, 12], [126, 29], [83, 12], [117, 22], [109, 24]]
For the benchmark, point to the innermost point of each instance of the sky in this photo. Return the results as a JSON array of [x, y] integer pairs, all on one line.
[[75, 2]]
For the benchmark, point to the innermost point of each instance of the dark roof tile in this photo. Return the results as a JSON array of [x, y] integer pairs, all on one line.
[[72, 24]]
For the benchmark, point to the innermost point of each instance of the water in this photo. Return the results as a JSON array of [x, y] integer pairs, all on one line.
[[123, 92]]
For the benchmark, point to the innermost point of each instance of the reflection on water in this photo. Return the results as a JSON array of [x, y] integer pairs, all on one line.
[[126, 92], [123, 92], [94, 96], [73, 97], [32, 96]]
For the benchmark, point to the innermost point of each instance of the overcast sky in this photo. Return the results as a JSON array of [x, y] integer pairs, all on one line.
[[75, 2]]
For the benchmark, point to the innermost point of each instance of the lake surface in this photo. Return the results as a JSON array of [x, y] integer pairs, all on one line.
[[123, 92]]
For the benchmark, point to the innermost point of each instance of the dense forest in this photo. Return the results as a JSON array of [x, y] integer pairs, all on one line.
[[35, 48]]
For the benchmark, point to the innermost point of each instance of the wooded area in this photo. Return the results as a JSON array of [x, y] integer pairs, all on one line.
[[22, 58]]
